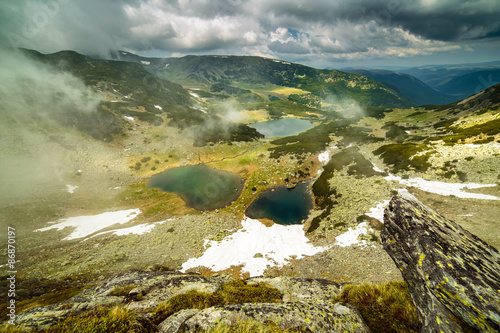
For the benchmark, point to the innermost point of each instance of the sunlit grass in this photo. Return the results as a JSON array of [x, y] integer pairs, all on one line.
[[386, 307], [289, 90], [113, 320]]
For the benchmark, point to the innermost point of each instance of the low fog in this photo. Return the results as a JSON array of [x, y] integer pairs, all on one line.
[[32, 141]]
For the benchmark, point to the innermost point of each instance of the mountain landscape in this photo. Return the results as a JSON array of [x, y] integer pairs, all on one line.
[[83, 137], [459, 81]]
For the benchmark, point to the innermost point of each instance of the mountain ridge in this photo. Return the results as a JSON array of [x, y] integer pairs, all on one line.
[[254, 70]]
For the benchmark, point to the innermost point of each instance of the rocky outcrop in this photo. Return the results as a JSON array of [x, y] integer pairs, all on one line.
[[301, 289], [450, 272], [155, 287], [318, 317], [307, 303]]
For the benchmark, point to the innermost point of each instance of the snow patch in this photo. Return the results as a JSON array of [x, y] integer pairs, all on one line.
[[282, 62], [489, 144], [377, 212], [324, 157], [87, 225], [351, 236], [276, 244], [158, 107], [194, 95], [145, 62], [129, 118], [377, 168], [71, 189], [136, 229], [442, 188]]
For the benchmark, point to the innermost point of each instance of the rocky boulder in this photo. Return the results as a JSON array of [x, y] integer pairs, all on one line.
[[153, 287], [307, 303], [450, 272], [317, 317]]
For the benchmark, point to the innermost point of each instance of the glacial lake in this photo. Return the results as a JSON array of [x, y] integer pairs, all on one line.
[[201, 187], [282, 127], [282, 205]]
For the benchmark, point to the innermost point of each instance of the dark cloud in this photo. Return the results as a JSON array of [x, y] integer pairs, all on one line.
[[338, 29]]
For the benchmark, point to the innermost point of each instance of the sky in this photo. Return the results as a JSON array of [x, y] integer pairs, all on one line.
[[318, 33]]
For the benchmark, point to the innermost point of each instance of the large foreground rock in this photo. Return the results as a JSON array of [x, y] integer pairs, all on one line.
[[448, 269], [318, 317]]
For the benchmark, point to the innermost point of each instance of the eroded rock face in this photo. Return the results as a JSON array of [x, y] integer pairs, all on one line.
[[448, 269], [316, 317]]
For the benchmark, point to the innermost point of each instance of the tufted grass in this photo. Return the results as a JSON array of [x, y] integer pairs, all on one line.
[[7, 328], [232, 292], [113, 320], [386, 307], [121, 291]]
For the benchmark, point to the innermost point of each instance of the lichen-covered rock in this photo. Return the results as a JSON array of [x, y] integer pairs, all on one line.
[[301, 289], [448, 269], [175, 321], [318, 317], [155, 287]]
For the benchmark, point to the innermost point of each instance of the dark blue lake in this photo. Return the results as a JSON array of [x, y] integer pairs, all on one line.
[[283, 205], [201, 187]]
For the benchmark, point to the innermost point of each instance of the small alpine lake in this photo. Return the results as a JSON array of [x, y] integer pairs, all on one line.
[[282, 127], [283, 205], [201, 187]]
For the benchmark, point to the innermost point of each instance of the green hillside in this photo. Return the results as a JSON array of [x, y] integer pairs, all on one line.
[[251, 72]]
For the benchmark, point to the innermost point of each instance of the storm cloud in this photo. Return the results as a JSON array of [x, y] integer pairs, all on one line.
[[319, 30]]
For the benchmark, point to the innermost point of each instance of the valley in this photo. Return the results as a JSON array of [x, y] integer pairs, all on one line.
[[364, 142]]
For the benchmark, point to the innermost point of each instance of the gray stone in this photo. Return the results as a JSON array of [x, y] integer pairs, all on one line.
[[175, 321], [318, 317], [450, 272], [302, 289]]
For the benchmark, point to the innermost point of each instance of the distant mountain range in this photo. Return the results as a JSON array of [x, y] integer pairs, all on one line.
[[408, 86], [250, 71], [437, 84]]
